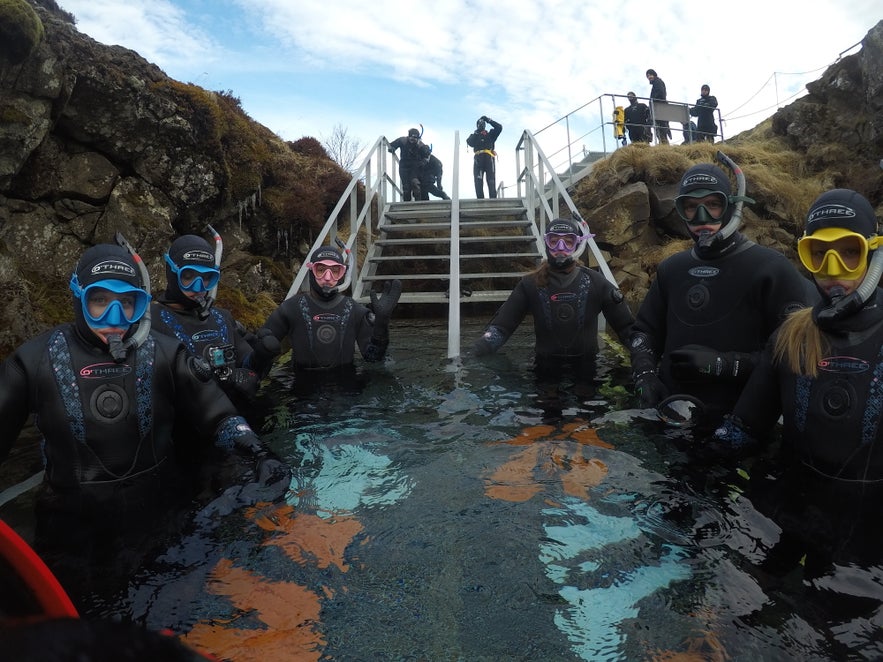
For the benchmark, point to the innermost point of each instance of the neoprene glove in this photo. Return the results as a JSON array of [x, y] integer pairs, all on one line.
[[268, 467], [383, 304], [692, 362], [271, 470], [245, 381], [266, 349], [650, 389], [732, 438]]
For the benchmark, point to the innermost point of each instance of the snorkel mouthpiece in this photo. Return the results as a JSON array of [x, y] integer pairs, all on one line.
[[705, 238], [836, 293], [116, 347]]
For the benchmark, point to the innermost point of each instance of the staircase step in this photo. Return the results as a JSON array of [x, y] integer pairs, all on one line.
[[463, 256], [414, 227], [517, 222], [415, 241], [445, 276], [491, 256], [498, 239]]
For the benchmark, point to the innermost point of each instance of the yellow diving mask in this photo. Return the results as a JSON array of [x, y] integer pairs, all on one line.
[[836, 253]]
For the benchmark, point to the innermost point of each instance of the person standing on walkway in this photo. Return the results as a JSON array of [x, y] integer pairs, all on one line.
[[658, 93], [703, 111], [482, 141], [637, 120]]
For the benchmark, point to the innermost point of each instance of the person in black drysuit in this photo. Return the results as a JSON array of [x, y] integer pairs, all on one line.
[[710, 309], [822, 373], [409, 163], [637, 120], [324, 326], [703, 111], [482, 142], [431, 175], [186, 311], [104, 392], [564, 298], [658, 93]]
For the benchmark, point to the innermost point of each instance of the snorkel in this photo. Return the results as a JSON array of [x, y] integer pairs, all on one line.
[[117, 347], [584, 228], [212, 295], [844, 306], [707, 239], [351, 260]]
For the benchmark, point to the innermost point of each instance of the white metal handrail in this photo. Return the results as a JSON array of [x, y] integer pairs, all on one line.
[[374, 173], [543, 200]]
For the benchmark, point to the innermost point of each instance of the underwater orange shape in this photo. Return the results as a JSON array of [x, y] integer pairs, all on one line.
[[288, 612]]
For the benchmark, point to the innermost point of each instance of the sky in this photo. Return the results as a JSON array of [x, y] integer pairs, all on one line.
[[303, 67]]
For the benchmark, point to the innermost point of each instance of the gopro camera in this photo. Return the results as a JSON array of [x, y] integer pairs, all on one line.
[[221, 359]]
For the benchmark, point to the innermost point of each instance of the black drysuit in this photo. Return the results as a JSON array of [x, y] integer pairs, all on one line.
[[484, 166]]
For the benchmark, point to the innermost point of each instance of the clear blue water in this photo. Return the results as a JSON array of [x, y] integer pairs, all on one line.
[[442, 511]]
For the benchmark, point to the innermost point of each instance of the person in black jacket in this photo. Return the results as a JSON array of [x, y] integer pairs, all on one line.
[[822, 372], [637, 120], [324, 326], [186, 311], [703, 111], [104, 392], [564, 299], [658, 93], [711, 309], [409, 163], [431, 175], [482, 142]]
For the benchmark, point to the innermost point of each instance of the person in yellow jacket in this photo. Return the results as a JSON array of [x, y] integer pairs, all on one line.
[[619, 124]]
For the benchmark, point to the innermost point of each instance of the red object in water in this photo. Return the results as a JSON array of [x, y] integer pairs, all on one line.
[[45, 588]]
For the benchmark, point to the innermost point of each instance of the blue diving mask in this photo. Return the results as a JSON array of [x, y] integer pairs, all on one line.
[[193, 277], [117, 304]]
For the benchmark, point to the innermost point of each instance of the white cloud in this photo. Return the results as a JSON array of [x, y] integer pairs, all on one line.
[[302, 66]]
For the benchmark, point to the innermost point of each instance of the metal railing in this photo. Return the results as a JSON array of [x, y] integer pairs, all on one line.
[[544, 191], [363, 206], [378, 177], [586, 134]]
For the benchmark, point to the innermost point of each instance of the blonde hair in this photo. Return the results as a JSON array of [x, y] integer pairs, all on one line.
[[800, 344]]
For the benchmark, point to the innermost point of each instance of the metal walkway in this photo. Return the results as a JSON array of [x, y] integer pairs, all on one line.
[[476, 249]]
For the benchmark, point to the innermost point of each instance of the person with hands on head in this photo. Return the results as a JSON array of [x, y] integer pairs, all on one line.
[[324, 326], [564, 299], [483, 142], [187, 311], [710, 309], [104, 392]]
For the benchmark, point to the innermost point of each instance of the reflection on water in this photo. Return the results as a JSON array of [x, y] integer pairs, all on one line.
[[474, 512]]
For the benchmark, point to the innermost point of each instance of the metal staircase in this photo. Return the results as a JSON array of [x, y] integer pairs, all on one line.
[[498, 244], [475, 249]]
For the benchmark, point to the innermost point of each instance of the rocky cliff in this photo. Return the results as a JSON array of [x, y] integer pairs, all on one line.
[[94, 139]]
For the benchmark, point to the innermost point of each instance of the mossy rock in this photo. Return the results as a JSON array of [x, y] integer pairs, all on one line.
[[21, 30]]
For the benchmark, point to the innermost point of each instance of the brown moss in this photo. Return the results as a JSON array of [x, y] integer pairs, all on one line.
[[251, 312], [21, 30]]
